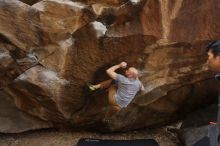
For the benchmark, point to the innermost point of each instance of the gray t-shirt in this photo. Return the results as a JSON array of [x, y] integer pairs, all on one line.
[[127, 89]]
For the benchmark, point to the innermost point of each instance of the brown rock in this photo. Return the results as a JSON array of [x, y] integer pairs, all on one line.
[[59, 18], [58, 46], [42, 101], [14, 61], [126, 21], [173, 105], [191, 20], [57, 41], [19, 24], [5, 58], [151, 18], [12, 120], [6, 66], [169, 85]]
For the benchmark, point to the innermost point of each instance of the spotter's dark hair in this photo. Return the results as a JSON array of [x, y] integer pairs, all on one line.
[[214, 46]]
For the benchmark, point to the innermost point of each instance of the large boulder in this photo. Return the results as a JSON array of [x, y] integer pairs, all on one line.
[[20, 24], [13, 120], [52, 48]]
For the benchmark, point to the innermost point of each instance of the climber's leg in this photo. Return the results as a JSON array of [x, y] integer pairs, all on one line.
[[111, 98], [101, 85]]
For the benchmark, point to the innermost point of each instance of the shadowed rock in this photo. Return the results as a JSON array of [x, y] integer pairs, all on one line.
[[30, 2], [51, 49]]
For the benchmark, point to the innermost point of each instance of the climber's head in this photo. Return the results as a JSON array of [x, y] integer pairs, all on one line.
[[213, 51], [131, 72]]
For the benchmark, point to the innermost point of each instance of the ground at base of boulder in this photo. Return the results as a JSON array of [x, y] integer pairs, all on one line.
[[52, 137]]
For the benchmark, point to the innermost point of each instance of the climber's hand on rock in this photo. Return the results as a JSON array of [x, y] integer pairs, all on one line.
[[123, 64]]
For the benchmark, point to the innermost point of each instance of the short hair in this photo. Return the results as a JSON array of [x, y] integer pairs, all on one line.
[[214, 46]]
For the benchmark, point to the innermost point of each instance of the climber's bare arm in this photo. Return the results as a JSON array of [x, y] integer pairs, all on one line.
[[111, 71], [142, 87]]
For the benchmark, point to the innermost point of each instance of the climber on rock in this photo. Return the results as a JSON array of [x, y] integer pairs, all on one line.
[[121, 89]]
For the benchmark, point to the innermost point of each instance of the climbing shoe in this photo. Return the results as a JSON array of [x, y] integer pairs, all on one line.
[[91, 87]]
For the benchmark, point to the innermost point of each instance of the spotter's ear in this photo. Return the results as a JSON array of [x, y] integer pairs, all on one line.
[[218, 58]]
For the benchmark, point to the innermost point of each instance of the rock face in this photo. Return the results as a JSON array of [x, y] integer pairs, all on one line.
[[12, 120], [51, 48]]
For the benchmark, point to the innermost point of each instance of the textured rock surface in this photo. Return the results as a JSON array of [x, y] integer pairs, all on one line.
[[12, 120], [50, 49]]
